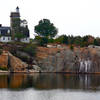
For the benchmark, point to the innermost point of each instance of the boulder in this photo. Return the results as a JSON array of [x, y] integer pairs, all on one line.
[[36, 68], [16, 65], [12, 63]]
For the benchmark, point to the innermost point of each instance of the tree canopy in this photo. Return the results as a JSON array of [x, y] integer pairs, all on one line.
[[62, 39], [16, 25], [19, 31], [46, 29]]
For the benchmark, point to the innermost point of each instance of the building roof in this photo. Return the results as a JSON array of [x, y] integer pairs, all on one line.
[[15, 14], [4, 28], [17, 7], [5, 31]]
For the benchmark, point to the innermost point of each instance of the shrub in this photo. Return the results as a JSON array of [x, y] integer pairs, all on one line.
[[62, 39], [0, 51], [1, 47], [3, 68], [30, 49], [95, 42], [23, 58], [41, 40], [72, 47], [50, 40]]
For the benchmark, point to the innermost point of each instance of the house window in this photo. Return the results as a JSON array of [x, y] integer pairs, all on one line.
[[26, 38], [8, 31], [3, 38], [8, 38]]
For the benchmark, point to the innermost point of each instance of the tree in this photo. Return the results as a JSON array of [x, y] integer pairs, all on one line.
[[78, 41], [30, 49], [62, 39], [16, 25], [95, 42], [71, 39], [87, 40], [46, 29], [18, 30], [42, 41]]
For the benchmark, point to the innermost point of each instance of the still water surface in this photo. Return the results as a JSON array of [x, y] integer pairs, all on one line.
[[49, 87]]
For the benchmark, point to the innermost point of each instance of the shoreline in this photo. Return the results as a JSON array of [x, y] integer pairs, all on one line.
[[77, 73]]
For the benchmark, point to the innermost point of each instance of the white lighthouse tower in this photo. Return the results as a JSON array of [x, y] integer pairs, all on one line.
[[17, 9]]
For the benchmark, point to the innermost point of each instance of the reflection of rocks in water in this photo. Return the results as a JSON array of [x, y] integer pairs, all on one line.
[[49, 81], [16, 80], [54, 81], [84, 81], [22, 80], [3, 81], [33, 76], [45, 81]]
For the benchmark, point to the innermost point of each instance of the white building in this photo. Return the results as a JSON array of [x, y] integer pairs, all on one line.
[[7, 33]]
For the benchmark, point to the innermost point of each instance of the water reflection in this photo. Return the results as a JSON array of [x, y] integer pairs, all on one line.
[[50, 81]]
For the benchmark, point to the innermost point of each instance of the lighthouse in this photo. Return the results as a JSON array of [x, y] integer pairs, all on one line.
[[14, 15], [17, 9]]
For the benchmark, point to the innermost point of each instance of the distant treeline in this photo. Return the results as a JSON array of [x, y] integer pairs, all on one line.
[[46, 31], [69, 40]]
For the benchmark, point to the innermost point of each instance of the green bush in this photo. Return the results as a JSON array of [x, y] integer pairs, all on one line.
[[50, 40], [1, 47], [72, 47], [30, 49], [62, 39], [42, 41], [3, 68], [0, 51], [96, 42], [23, 58]]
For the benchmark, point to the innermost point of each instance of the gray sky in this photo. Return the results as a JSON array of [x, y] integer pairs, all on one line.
[[76, 17]]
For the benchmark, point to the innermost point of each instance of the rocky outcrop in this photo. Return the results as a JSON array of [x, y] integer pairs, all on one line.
[[15, 64], [36, 68], [80, 60], [12, 63], [4, 60], [60, 62]]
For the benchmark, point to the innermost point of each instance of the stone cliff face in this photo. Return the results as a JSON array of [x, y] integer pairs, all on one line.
[[4, 60], [15, 64], [80, 60], [12, 63], [84, 60]]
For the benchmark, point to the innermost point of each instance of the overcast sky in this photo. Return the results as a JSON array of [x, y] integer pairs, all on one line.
[[76, 17]]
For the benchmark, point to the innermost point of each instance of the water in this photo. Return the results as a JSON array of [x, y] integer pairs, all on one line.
[[49, 87]]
